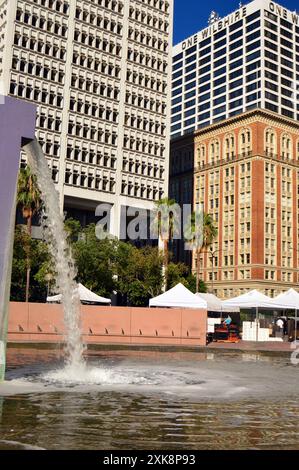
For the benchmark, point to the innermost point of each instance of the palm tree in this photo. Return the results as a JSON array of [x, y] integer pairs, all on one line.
[[28, 199], [167, 224], [207, 236]]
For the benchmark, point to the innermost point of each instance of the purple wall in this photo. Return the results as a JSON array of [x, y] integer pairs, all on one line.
[[17, 120]]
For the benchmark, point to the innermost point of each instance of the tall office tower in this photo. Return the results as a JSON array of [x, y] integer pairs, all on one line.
[[246, 176], [246, 60], [99, 71]]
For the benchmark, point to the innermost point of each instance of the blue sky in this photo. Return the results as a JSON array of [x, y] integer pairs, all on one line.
[[191, 16]]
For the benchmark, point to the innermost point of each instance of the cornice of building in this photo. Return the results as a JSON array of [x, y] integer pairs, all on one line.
[[228, 125], [245, 119]]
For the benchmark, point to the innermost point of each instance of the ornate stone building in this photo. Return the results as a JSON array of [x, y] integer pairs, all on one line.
[[99, 71], [246, 174]]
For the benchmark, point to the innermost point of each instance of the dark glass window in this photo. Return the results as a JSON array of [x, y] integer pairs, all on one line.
[[220, 110], [177, 66], [253, 46], [220, 100], [253, 26], [252, 17], [190, 50], [177, 57], [236, 84], [220, 53], [190, 59], [253, 56], [220, 34], [220, 90], [236, 25]]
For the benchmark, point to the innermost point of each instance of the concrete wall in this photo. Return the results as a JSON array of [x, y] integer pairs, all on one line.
[[115, 325]]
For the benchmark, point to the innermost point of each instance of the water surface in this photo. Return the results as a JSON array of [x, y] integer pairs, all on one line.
[[149, 400]]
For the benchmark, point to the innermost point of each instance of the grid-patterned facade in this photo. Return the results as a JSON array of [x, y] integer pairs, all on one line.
[[99, 71], [247, 177], [246, 60]]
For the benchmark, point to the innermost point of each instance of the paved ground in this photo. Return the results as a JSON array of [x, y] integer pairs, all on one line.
[[255, 346]]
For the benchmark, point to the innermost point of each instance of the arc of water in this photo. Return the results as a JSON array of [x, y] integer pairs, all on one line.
[[56, 238]]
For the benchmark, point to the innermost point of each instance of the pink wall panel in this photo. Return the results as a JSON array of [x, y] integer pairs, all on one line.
[[114, 325]]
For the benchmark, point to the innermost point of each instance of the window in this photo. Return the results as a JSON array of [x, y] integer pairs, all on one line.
[[229, 146], [245, 141], [270, 142], [286, 146]]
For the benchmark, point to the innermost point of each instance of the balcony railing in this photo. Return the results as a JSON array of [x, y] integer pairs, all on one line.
[[236, 158]]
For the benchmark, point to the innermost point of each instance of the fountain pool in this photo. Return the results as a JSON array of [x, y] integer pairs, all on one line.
[[150, 400]]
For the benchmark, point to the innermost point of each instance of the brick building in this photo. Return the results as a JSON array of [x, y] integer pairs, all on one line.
[[246, 173]]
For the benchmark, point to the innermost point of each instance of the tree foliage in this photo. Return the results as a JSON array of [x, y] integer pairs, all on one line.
[[105, 266]]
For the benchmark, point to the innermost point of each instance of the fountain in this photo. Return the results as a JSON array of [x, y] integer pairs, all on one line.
[[17, 128], [17, 122], [56, 238]]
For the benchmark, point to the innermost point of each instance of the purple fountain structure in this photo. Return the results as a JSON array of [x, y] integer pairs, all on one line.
[[17, 127]]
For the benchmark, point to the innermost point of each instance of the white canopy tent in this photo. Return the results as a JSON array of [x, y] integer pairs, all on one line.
[[289, 301], [86, 295], [215, 304], [253, 300], [180, 297]]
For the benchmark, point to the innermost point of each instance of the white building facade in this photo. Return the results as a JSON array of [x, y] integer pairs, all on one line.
[[100, 73], [247, 60]]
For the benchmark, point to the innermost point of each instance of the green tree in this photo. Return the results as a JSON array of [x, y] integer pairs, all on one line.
[[180, 273], [166, 224], [139, 273], [40, 259], [95, 261], [28, 199], [73, 229], [208, 233]]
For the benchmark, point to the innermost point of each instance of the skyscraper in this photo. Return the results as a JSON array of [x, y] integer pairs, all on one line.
[[246, 60], [99, 71]]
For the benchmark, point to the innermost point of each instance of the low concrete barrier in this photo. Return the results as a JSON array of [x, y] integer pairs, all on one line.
[[115, 325]]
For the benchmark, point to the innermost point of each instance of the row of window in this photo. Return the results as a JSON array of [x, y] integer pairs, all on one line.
[[50, 25], [145, 124], [137, 77], [40, 45], [90, 16], [37, 93], [90, 156], [128, 188], [142, 168], [141, 58], [140, 145], [145, 102], [147, 19], [45, 71], [93, 109], [60, 6], [97, 42], [148, 40]]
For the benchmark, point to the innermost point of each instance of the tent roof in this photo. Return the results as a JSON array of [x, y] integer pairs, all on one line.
[[178, 296], [288, 300], [252, 299], [86, 295], [215, 304]]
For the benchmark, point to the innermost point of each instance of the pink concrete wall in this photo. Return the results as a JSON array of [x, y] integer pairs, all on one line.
[[114, 325]]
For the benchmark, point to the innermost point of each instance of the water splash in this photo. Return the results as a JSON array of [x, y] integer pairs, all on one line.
[[56, 238]]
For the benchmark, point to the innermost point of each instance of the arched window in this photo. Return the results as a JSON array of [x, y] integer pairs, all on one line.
[[270, 142], [214, 152], [229, 146], [297, 150], [245, 141], [201, 155], [286, 146]]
